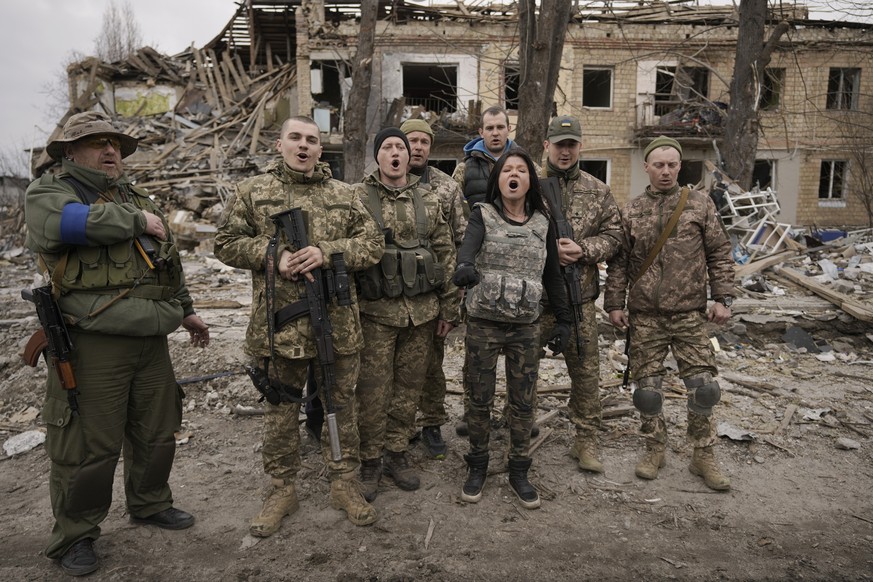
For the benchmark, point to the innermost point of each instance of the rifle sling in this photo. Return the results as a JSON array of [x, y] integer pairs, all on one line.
[[665, 234], [291, 312]]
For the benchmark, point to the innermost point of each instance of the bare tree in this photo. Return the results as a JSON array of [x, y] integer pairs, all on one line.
[[355, 115], [14, 162], [740, 144], [541, 43], [119, 35]]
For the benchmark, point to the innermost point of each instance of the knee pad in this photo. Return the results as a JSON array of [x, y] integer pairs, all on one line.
[[647, 397], [703, 393]]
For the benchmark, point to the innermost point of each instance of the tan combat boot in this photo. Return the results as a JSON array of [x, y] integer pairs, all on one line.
[[345, 494], [281, 501], [585, 451], [652, 460], [703, 464]]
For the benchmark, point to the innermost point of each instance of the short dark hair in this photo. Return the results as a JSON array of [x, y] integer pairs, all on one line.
[[534, 197], [493, 110]]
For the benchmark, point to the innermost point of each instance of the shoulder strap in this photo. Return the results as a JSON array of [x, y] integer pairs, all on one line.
[[374, 205], [671, 224], [420, 216]]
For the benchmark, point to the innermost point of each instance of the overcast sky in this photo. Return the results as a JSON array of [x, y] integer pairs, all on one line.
[[37, 37]]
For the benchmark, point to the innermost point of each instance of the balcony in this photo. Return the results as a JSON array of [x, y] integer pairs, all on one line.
[[678, 119]]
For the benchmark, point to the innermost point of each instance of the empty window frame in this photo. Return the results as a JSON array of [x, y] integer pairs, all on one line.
[[677, 85], [511, 77], [843, 84], [691, 173], [597, 87], [434, 87], [771, 89], [832, 180], [597, 168], [763, 176]]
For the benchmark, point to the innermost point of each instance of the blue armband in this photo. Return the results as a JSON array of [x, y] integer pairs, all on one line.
[[74, 219]]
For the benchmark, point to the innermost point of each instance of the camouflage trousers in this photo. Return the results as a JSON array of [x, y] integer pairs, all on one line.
[[584, 370], [432, 404], [393, 365], [281, 451], [519, 343], [685, 335]]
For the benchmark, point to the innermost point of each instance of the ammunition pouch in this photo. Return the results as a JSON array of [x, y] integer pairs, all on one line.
[[408, 269]]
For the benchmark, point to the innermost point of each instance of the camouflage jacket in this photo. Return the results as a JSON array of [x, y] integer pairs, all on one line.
[[336, 221], [592, 212], [449, 194], [398, 214], [698, 249]]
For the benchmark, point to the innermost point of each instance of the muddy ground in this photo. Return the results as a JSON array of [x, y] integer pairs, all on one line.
[[799, 509]]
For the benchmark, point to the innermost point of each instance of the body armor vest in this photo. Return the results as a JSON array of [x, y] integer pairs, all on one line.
[[511, 264]]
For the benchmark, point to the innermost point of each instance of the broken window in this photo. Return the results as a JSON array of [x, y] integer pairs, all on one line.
[[762, 175], [677, 85], [433, 87], [511, 78], [831, 182], [771, 89], [597, 87], [447, 166], [691, 173], [597, 168], [326, 86], [843, 88]]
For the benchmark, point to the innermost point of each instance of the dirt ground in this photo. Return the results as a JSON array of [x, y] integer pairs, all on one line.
[[799, 508]]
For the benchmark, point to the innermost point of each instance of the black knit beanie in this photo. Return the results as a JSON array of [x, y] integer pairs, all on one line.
[[385, 134]]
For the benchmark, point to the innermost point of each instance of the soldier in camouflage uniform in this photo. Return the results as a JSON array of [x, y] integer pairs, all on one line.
[[119, 305], [336, 222], [508, 256], [406, 299], [588, 205], [433, 395], [667, 306]]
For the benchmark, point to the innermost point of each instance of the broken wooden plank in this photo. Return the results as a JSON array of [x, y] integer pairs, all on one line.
[[749, 382], [741, 271], [857, 309], [786, 418]]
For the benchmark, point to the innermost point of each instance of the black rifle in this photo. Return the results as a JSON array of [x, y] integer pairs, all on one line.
[[552, 195], [58, 345], [318, 293], [626, 375]]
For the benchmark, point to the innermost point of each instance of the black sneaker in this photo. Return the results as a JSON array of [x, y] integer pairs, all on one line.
[[170, 518], [80, 559], [433, 442]]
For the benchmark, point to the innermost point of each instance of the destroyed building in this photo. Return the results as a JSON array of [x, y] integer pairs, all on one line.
[[630, 71]]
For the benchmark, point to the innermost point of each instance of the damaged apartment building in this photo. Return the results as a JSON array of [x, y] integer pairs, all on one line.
[[630, 71]]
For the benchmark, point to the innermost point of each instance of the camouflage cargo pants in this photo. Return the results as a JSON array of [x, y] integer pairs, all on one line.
[[433, 394], [281, 450], [519, 343], [685, 334], [393, 365], [584, 370]]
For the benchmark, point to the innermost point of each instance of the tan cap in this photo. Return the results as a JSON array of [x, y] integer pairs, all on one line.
[[564, 127], [421, 125], [89, 123]]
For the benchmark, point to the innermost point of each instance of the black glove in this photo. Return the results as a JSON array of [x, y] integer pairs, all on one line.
[[466, 275], [558, 338]]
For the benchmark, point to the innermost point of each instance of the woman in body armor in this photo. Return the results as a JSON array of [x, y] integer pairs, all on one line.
[[508, 257]]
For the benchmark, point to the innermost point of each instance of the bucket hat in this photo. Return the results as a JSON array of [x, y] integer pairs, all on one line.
[[89, 123]]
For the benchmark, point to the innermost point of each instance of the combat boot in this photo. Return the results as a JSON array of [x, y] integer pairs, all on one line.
[[433, 442], [397, 467], [371, 474], [345, 494], [462, 429], [585, 451], [477, 471], [703, 464], [519, 483], [281, 501], [652, 460]]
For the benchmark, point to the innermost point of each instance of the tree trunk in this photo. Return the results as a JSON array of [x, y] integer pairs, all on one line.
[[355, 115], [541, 44], [740, 143]]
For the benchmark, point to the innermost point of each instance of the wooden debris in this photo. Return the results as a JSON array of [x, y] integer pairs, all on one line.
[[859, 309], [749, 383], [786, 418]]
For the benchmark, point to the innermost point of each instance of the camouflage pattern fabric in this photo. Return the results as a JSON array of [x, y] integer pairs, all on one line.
[[449, 193], [281, 450], [584, 370], [519, 343], [389, 386], [685, 335], [336, 221], [432, 404], [696, 253]]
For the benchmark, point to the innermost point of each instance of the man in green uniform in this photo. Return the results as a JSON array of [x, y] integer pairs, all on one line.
[[336, 222], [433, 395], [117, 277], [589, 207], [665, 289], [407, 298]]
